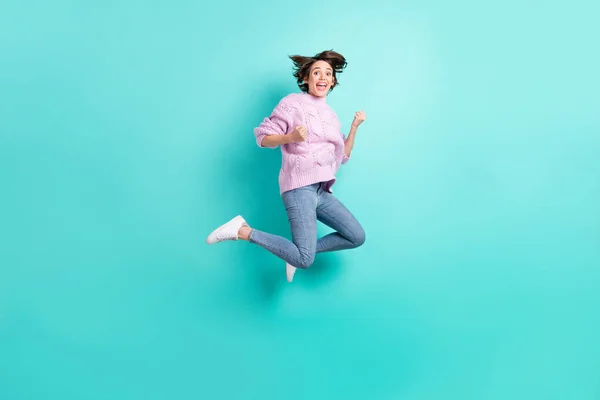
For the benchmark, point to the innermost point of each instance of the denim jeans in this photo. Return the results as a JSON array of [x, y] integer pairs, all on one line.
[[304, 207]]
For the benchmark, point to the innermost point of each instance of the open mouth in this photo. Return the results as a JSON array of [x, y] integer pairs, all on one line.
[[321, 86]]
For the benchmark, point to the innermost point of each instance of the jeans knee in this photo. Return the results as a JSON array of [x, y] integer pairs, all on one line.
[[305, 261], [359, 237]]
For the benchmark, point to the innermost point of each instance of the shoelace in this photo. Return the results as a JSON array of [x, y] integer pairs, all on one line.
[[225, 236]]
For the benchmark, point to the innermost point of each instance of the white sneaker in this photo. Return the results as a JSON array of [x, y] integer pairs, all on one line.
[[227, 231], [289, 272]]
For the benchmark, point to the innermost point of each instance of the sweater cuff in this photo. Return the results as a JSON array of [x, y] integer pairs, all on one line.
[[345, 158]]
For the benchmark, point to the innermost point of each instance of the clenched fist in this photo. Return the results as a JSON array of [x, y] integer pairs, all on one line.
[[298, 134], [359, 118]]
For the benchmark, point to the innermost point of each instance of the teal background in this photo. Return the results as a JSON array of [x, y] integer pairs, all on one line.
[[126, 137]]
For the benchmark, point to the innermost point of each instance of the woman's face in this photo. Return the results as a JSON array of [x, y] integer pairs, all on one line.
[[320, 79]]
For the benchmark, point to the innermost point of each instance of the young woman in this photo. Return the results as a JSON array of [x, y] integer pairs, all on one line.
[[313, 147]]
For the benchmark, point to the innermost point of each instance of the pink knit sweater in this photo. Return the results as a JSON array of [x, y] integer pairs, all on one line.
[[318, 158]]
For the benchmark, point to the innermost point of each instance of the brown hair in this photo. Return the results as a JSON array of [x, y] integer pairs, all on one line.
[[302, 66]]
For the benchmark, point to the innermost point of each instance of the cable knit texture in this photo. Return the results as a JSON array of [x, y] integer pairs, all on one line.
[[320, 155]]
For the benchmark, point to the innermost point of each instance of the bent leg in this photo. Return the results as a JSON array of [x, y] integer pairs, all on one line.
[[350, 234], [301, 207]]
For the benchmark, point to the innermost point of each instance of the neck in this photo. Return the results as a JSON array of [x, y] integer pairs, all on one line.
[[316, 99]]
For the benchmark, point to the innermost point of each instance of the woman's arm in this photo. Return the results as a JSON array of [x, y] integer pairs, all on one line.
[[349, 143], [297, 135], [275, 140], [359, 118]]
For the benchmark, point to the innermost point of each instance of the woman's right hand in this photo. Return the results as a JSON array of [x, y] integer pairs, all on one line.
[[298, 134]]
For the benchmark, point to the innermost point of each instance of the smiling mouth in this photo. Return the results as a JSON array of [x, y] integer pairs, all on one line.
[[321, 86]]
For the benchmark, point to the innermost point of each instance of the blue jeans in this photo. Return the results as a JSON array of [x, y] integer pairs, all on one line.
[[304, 207]]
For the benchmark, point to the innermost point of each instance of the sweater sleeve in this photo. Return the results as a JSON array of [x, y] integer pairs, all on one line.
[[345, 158], [280, 122]]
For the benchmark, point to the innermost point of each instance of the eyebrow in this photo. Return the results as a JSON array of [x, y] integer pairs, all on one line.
[[327, 69]]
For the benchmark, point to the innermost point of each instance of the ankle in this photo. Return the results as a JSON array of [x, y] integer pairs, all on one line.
[[244, 232]]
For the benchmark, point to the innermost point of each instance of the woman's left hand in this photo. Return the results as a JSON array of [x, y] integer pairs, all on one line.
[[359, 118]]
